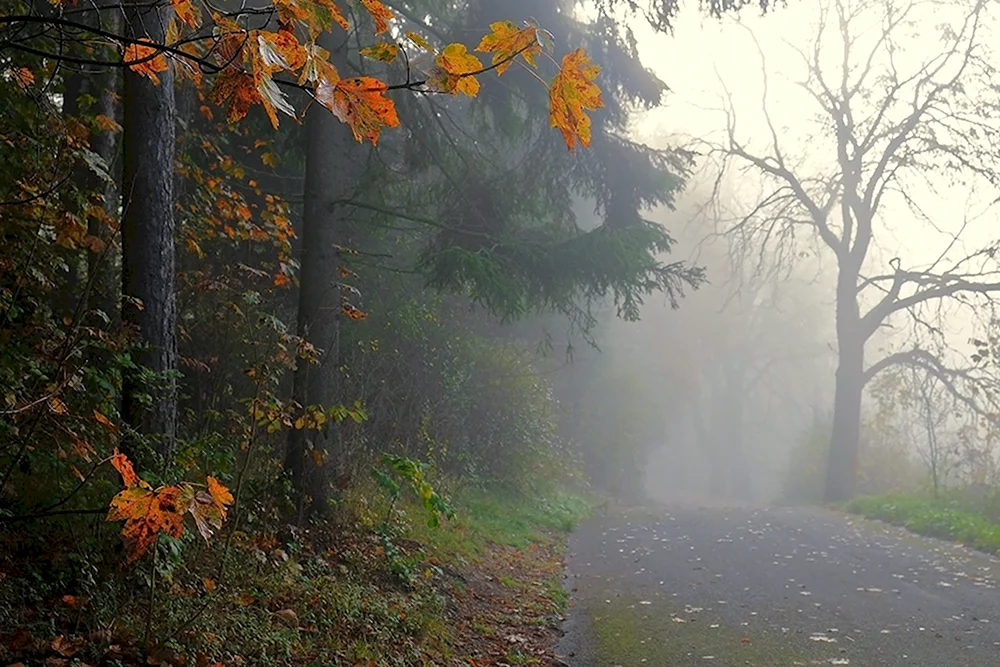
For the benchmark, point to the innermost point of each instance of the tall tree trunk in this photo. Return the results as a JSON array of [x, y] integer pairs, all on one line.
[[149, 302], [842, 460], [101, 262], [333, 162]]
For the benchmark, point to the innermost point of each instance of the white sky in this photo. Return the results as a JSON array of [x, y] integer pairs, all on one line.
[[704, 53]]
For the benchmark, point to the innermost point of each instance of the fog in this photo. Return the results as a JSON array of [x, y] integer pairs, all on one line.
[[736, 387]]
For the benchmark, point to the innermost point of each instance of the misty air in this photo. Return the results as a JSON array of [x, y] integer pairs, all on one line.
[[570, 333]]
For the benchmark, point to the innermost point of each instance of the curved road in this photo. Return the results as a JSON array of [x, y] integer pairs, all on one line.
[[775, 587]]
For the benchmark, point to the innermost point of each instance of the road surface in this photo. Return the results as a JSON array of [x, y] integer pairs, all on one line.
[[775, 587]]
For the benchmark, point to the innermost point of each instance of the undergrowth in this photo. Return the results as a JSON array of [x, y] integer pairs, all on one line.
[[353, 592], [948, 517]]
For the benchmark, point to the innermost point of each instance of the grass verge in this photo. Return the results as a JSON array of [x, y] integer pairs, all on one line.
[[943, 518], [485, 586]]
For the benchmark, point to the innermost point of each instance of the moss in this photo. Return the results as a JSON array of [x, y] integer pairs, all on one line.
[[629, 633]]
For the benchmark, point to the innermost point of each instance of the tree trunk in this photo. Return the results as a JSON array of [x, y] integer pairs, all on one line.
[[842, 460], [332, 168], [148, 296]]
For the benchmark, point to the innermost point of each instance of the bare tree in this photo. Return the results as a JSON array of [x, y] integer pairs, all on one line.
[[899, 123]]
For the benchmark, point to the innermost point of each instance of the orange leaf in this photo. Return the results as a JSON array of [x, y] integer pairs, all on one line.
[[25, 77], [383, 51], [572, 92], [506, 41], [146, 514], [360, 102], [209, 584], [380, 13], [187, 12], [145, 60], [57, 406], [124, 467], [101, 419], [455, 71], [237, 87], [220, 493]]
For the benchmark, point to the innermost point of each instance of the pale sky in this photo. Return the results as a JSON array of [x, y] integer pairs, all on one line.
[[705, 57]]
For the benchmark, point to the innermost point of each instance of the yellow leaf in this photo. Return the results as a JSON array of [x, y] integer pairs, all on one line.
[[360, 102], [269, 159], [506, 41], [456, 69], [382, 51], [57, 406], [380, 13], [187, 12], [573, 91], [145, 59], [419, 40]]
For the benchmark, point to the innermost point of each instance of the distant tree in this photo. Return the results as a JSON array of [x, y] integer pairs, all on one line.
[[889, 122]]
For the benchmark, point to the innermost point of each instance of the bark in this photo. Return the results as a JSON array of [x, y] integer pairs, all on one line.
[[333, 160], [842, 461], [148, 289]]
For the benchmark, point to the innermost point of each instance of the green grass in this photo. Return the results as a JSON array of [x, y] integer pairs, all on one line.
[[484, 517], [946, 518]]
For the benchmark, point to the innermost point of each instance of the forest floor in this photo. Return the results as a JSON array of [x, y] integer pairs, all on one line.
[[484, 589], [686, 586]]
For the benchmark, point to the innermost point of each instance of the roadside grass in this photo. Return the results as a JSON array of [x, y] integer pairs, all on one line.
[[324, 596], [947, 517]]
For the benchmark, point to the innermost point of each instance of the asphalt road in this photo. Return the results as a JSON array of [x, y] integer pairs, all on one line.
[[774, 587]]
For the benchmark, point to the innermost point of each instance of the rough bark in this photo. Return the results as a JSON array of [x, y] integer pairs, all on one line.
[[148, 263], [333, 160]]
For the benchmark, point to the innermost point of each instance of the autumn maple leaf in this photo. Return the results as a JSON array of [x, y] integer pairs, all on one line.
[[146, 514], [380, 14], [455, 67], [382, 51], [187, 12], [506, 41], [143, 58], [207, 507], [361, 103], [124, 467], [572, 92], [238, 89]]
